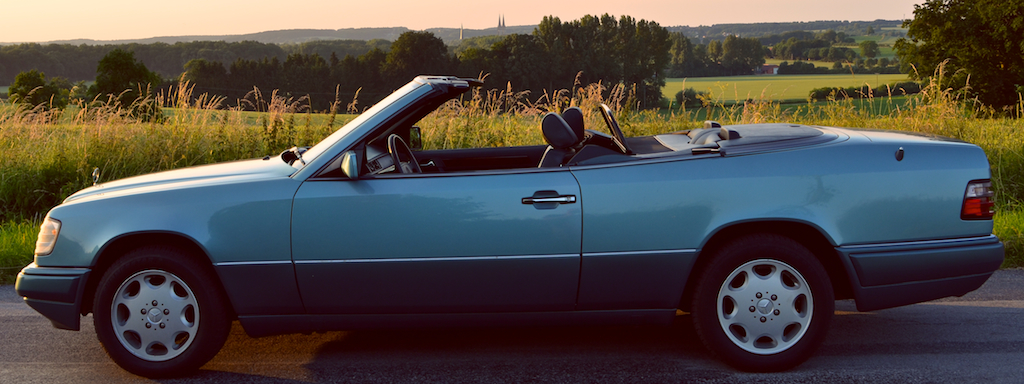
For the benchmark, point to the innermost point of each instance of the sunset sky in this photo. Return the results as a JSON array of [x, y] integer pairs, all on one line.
[[42, 21]]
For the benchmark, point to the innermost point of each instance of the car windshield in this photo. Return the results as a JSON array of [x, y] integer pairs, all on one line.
[[323, 145]]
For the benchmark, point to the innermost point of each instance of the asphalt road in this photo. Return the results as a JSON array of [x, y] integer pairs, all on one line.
[[976, 338]]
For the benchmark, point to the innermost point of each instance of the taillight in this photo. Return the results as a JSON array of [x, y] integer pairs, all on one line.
[[979, 203]]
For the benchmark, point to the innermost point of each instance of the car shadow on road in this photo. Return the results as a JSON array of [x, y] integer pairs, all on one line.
[[601, 353], [605, 353]]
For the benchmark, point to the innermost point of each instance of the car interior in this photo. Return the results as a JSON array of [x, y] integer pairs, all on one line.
[[569, 143]]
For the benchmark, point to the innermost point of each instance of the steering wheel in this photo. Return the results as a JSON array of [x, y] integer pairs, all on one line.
[[396, 145], [613, 126]]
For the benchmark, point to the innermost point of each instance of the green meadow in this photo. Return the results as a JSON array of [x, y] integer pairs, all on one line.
[[772, 87]]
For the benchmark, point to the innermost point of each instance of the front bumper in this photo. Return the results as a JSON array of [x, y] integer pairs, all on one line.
[[895, 274], [54, 292]]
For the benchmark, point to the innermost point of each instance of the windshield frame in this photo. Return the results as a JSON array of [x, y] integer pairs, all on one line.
[[324, 145], [331, 147]]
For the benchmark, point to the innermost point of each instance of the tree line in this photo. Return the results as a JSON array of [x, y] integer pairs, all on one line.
[[78, 62], [558, 55], [720, 31], [637, 54], [969, 47], [733, 56], [121, 82]]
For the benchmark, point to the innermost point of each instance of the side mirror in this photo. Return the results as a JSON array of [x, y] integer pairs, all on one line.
[[415, 139], [350, 164]]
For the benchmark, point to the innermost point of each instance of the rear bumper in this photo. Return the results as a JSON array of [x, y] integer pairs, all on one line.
[[54, 292], [894, 274]]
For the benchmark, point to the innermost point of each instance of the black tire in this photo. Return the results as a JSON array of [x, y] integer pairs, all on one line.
[[160, 297], [763, 303]]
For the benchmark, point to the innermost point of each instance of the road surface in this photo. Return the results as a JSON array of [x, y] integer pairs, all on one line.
[[975, 338]]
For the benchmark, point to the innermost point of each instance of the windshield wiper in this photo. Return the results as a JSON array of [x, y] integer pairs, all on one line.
[[294, 153]]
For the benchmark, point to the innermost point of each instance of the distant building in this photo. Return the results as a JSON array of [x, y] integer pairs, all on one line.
[[501, 25], [768, 69]]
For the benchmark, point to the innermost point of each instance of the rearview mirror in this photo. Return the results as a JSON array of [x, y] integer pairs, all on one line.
[[350, 164], [415, 140]]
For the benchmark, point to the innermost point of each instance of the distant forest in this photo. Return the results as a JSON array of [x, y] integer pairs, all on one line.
[[78, 62], [721, 31], [599, 48], [76, 59]]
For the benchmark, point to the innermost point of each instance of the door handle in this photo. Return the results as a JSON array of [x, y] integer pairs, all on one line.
[[548, 199], [564, 199]]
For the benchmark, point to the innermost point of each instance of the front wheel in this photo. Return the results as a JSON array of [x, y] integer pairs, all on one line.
[[158, 313], [763, 303]]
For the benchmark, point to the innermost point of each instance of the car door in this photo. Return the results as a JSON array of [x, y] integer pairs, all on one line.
[[469, 243], [642, 227]]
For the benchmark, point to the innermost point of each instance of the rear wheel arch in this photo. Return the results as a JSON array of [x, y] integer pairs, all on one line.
[[763, 304], [122, 245], [804, 233]]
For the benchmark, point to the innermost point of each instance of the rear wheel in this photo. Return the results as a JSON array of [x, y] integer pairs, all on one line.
[[158, 313], [763, 303]]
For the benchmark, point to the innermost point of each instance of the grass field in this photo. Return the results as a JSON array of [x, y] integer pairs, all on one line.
[[772, 87], [17, 240]]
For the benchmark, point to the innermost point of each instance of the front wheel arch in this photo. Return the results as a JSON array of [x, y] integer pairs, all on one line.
[[160, 312], [122, 245]]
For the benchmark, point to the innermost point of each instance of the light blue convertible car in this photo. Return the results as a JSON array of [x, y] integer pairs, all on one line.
[[755, 230]]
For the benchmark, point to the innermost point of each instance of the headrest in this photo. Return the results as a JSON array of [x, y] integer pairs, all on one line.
[[574, 117], [557, 132]]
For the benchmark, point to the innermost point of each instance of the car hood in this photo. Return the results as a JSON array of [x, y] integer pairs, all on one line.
[[220, 173]]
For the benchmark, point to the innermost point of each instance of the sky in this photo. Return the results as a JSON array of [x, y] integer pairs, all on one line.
[[50, 20]]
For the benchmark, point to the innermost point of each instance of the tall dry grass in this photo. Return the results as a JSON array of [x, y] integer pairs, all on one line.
[[49, 154]]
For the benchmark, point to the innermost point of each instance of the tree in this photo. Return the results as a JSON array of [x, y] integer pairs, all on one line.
[[474, 62], [31, 88], [742, 55], [416, 53], [680, 54], [602, 49], [555, 37], [869, 48], [802, 49], [715, 51], [521, 60], [830, 36], [128, 81], [978, 40], [263, 74], [690, 98], [206, 76], [305, 74]]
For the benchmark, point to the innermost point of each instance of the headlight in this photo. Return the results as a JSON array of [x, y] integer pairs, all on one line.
[[47, 236]]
